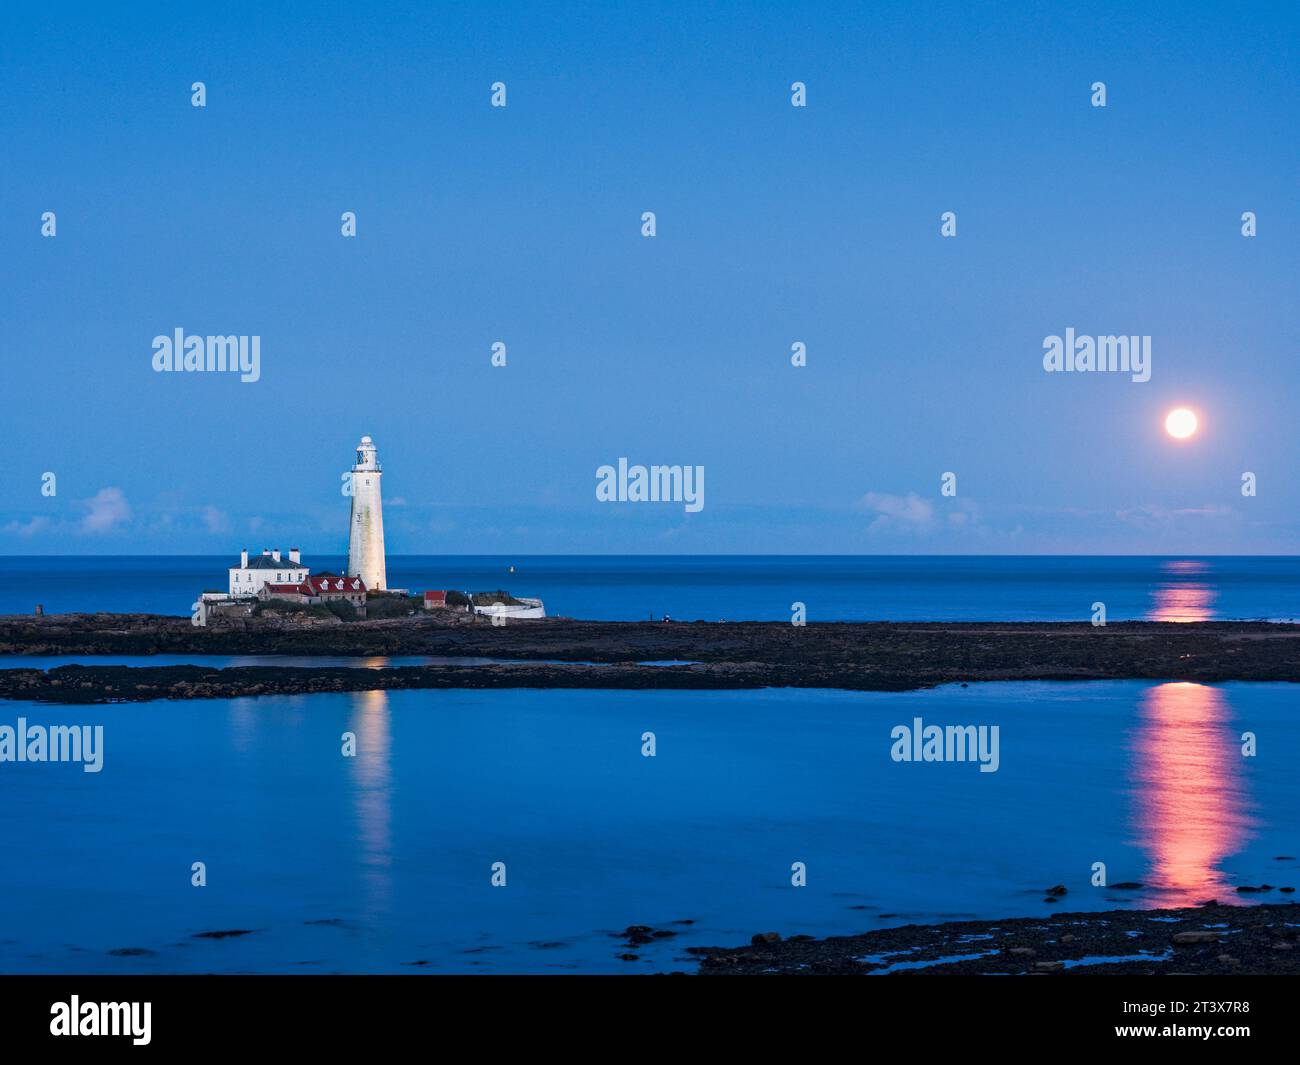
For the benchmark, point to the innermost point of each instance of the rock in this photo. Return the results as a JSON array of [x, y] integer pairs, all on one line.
[[1128, 885], [224, 934], [765, 937], [1060, 889], [877, 656], [1051, 898], [1286, 890], [1227, 940], [1182, 939], [1247, 890], [1283, 946], [635, 929], [629, 957], [663, 933], [800, 939]]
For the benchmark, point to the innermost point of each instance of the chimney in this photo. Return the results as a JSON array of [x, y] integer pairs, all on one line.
[[266, 552], [275, 555], [295, 556], [243, 559]]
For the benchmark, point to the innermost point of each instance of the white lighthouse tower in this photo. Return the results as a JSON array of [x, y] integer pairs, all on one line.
[[366, 540]]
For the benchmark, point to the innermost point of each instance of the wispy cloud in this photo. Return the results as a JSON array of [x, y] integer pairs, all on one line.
[[898, 512], [1151, 517], [28, 528], [215, 521], [107, 509]]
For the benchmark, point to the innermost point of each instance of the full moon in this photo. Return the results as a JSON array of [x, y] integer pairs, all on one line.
[[1180, 423]]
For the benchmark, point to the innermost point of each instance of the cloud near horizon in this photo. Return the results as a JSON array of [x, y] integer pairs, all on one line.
[[28, 528], [898, 512], [912, 515], [106, 510]]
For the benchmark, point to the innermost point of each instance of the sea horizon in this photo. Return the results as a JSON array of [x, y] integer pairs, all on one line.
[[707, 554], [615, 587]]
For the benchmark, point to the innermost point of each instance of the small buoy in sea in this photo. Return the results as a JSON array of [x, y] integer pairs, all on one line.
[[512, 569]]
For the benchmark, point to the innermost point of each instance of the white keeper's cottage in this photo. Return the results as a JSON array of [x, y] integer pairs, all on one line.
[[247, 578]]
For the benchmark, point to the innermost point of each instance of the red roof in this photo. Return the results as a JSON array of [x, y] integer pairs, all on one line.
[[288, 589], [333, 583], [435, 597]]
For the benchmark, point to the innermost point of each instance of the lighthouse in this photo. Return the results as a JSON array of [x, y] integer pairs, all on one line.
[[366, 538]]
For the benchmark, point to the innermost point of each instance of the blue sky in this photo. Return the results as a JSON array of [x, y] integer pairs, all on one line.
[[775, 224]]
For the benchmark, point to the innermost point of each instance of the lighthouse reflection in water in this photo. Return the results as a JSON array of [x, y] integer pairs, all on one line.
[[370, 722], [1191, 807]]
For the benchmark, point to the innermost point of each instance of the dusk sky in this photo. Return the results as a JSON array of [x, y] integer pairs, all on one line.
[[775, 225]]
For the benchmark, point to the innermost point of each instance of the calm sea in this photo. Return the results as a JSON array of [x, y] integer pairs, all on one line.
[[743, 588], [382, 862]]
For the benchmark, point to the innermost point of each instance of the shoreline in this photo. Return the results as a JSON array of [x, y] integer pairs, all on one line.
[[562, 653], [1209, 939], [86, 685]]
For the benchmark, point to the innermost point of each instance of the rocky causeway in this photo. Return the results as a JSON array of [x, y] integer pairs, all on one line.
[[565, 653]]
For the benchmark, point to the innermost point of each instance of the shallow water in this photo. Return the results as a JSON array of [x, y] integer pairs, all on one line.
[[390, 852]]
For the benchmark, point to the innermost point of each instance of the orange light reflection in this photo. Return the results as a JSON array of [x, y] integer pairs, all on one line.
[[1181, 595], [1191, 801]]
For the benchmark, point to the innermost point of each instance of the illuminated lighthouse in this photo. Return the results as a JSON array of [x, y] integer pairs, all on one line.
[[366, 539]]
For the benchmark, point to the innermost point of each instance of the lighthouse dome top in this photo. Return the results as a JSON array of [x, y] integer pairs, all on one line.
[[367, 457]]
